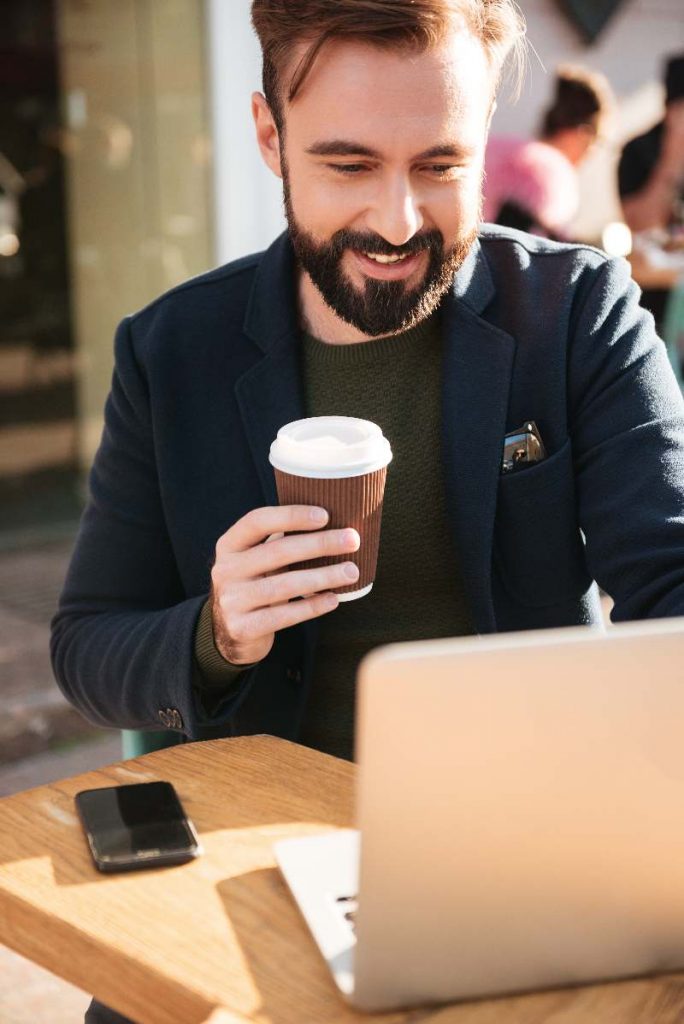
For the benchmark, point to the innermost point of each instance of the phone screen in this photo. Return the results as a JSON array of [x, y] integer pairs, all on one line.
[[136, 826]]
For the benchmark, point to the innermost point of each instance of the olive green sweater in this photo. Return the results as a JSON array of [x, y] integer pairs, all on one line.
[[417, 594]]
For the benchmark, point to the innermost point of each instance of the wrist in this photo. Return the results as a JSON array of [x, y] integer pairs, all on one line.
[[231, 652], [214, 668]]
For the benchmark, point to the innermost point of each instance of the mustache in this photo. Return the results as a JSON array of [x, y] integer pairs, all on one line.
[[371, 242]]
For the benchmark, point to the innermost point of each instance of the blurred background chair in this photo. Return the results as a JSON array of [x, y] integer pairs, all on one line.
[[135, 744]]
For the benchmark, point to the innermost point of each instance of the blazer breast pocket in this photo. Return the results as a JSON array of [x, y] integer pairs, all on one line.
[[538, 548]]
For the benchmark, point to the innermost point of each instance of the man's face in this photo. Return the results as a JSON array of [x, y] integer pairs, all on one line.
[[382, 165]]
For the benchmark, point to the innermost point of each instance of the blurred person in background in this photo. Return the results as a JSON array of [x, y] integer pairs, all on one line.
[[531, 184], [651, 174]]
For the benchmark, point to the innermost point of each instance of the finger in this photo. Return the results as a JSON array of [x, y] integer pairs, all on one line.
[[256, 525], [265, 621], [274, 590], [268, 558]]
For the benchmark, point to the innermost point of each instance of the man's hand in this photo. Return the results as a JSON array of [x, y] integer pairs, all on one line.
[[251, 600]]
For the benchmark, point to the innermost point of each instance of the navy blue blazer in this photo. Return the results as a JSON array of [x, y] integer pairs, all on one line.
[[206, 375]]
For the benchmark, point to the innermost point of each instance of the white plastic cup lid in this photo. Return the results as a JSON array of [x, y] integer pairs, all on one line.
[[330, 447]]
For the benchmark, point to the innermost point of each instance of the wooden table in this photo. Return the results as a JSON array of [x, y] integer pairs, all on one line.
[[219, 941]]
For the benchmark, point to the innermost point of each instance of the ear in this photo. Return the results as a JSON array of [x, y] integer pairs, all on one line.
[[266, 133]]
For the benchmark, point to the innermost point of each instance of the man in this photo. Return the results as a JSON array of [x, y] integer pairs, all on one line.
[[651, 173], [382, 301], [532, 184]]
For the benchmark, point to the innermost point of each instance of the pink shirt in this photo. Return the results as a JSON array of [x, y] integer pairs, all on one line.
[[534, 176]]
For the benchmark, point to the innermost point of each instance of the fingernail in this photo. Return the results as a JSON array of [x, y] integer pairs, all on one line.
[[319, 515], [351, 571]]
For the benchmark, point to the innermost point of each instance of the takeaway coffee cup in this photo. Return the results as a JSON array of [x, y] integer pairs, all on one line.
[[339, 463]]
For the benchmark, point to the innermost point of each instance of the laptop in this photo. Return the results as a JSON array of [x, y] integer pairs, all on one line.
[[520, 811]]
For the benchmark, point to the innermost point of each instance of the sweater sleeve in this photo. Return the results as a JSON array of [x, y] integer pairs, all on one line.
[[215, 671], [123, 638]]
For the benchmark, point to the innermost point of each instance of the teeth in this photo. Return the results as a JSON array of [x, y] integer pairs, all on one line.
[[384, 259]]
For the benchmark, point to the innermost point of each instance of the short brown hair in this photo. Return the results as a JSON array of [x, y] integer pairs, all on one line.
[[413, 24], [582, 98]]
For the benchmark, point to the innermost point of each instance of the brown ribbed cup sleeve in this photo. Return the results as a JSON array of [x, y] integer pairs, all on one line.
[[354, 501]]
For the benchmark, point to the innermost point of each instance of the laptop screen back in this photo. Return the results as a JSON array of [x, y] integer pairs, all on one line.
[[521, 806]]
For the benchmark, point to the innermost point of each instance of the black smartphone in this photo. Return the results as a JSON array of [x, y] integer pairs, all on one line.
[[138, 826]]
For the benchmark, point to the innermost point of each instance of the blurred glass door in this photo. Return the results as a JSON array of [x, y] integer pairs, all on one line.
[[38, 432], [105, 203]]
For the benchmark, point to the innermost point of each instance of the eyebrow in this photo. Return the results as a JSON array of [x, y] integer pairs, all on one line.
[[342, 147]]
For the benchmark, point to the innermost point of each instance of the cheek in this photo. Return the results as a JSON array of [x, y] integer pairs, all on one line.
[[322, 204], [456, 211]]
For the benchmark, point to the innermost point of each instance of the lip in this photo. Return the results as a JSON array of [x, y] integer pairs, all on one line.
[[399, 271]]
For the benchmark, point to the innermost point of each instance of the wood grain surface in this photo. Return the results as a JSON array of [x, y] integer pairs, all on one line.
[[219, 941]]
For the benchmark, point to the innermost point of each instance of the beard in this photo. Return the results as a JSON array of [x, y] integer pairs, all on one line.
[[379, 307]]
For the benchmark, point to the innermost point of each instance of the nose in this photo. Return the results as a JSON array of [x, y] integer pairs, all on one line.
[[396, 213]]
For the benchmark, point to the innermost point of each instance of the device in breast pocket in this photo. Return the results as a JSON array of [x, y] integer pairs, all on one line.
[[138, 826], [522, 447]]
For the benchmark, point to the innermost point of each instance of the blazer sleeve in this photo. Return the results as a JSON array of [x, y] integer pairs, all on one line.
[[627, 428], [122, 638]]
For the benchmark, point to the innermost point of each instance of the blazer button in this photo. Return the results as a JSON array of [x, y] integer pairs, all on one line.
[[293, 675], [171, 718]]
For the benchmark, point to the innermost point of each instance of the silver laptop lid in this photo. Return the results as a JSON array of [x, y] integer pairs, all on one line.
[[521, 806]]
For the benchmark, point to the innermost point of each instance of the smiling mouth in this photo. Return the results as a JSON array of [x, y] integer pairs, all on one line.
[[384, 267], [379, 258]]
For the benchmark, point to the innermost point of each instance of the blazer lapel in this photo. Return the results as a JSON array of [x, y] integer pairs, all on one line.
[[478, 362], [270, 393]]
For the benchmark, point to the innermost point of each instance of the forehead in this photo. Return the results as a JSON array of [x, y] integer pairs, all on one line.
[[367, 94]]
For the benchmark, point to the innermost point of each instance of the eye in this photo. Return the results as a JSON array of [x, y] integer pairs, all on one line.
[[445, 171], [347, 168]]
